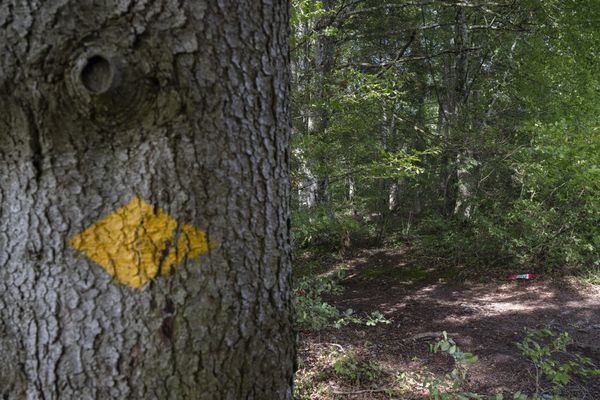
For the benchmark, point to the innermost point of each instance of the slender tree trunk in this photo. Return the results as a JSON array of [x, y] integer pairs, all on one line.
[[464, 155], [307, 191], [319, 118], [388, 131], [446, 111], [394, 196], [301, 74], [464, 184], [453, 123], [144, 247]]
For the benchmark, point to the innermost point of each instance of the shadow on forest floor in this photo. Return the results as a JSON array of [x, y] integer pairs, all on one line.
[[484, 318]]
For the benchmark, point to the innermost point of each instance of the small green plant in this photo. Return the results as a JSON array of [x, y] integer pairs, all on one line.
[[547, 351], [543, 347], [346, 318], [306, 387], [407, 380], [449, 388], [349, 366], [375, 318], [303, 385], [438, 389]]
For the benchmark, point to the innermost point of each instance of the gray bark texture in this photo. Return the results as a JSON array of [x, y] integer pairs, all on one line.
[[184, 105]]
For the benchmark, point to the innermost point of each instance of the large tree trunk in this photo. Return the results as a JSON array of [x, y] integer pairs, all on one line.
[[173, 115]]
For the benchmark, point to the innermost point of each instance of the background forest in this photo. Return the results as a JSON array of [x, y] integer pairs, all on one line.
[[439, 146], [467, 130]]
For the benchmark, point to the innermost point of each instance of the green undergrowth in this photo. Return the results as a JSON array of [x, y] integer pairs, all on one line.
[[354, 371], [591, 276], [313, 313], [526, 239], [397, 273], [329, 229]]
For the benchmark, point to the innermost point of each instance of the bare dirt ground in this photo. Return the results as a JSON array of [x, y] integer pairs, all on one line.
[[486, 317]]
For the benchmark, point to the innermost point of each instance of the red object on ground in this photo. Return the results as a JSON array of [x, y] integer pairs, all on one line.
[[522, 277]]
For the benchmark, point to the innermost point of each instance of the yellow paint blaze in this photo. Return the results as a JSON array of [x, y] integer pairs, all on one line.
[[137, 242], [191, 244]]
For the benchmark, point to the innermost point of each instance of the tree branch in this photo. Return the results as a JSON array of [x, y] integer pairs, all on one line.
[[408, 59]]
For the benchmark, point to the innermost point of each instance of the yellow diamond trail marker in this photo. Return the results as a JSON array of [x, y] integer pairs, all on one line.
[[138, 242]]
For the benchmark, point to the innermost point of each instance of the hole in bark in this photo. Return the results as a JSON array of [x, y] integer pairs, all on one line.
[[97, 74], [167, 328], [169, 307]]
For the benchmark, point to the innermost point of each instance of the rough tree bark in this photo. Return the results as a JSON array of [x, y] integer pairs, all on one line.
[[155, 108]]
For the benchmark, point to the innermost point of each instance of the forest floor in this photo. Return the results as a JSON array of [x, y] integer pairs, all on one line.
[[485, 315]]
